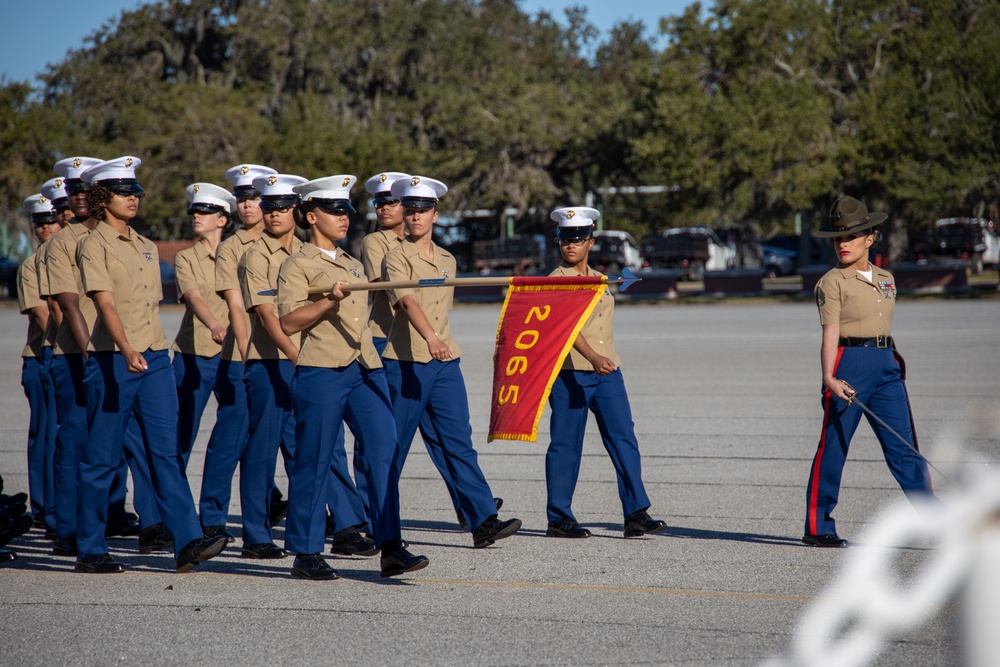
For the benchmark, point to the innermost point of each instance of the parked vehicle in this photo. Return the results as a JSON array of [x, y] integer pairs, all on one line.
[[743, 242], [8, 275], [973, 239], [781, 254], [514, 254], [690, 250], [614, 250], [168, 281]]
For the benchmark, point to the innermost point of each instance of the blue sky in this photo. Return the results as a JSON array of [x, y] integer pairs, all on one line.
[[34, 33]]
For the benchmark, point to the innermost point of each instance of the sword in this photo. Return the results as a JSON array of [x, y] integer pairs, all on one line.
[[853, 398], [625, 281]]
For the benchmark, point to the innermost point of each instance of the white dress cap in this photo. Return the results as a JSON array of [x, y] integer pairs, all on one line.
[[72, 167], [242, 175], [380, 185], [55, 189], [328, 187], [39, 208], [419, 191], [277, 185], [120, 169], [209, 195], [575, 221]]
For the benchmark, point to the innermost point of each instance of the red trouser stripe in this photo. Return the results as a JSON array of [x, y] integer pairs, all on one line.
[[817, 462]]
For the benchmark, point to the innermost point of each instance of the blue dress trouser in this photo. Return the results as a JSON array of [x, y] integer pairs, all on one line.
[[324, 398], [115, 396], [434, 450], [434, 394], [272, 424], [227, 443], [574, 393], [875, 374], [195, 378], [41, 435], [66, 371]]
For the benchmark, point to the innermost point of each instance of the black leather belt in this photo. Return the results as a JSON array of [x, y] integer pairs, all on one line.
[[877, 341]]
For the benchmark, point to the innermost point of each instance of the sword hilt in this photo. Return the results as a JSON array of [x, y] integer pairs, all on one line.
[[853, 394]]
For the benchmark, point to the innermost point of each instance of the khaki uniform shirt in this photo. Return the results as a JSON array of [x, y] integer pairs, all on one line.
[[195, 270], [373, 250], [258, 271], [128, 266], [28, 298], [863, 309], [341, 336], [597, 330], [227, 261], [406, 262], [63, 276]]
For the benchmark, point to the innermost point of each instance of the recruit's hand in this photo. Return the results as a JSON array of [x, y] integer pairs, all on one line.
[[338, 293], [135, 362], [219, 334], [439, 351], [603, 365]]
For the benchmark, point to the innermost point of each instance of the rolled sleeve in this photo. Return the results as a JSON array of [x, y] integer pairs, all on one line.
[[293, 287]]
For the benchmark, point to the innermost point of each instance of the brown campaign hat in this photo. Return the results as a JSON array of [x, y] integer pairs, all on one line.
[[847, 216]]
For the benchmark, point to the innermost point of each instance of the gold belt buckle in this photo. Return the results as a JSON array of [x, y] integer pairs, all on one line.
[[881, 341]]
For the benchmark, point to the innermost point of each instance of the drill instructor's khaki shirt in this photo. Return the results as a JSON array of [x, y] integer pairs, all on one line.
[[128, 266], [406, 262], [258, 272], [341, 336], [863, 309]]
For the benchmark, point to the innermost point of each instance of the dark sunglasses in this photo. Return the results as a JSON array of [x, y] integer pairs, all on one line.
[[127, 191], [568, 242], [386, 202]]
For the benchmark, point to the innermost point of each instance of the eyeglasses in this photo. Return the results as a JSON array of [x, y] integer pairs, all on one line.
[[386, 202], [566, 243], [282, 209]]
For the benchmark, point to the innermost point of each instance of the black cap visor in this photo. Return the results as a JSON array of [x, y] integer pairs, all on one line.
[[74, 186], [246, 191], [123, 186], [61, 204], [38, 219], [581, 232], [333, 205], [275, 202], [419, 202], [202, 207]]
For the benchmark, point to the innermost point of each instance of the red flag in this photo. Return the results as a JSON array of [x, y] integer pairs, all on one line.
[[538, 325]]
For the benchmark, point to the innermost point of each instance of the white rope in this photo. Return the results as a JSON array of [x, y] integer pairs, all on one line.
[[870, 602]]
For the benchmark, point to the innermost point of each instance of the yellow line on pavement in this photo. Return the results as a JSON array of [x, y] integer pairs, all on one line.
[[612, 589]]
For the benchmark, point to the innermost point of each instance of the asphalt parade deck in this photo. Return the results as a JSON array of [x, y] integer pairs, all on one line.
[[726, 406]]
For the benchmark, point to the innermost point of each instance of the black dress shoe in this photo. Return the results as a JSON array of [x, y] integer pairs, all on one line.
[[830, 541], [400, 561], [99, 564], [198, 551], [566, 528], [155, 538], [312, 566], [15, 499], [61, 548], [639, 523], [263, 551], [330, 526], [352, 542], [14, 528], [15, 510], [463, 524], [126, 527], [212, 531], [7, 556], [277, 512], [494, 529]]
